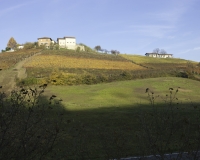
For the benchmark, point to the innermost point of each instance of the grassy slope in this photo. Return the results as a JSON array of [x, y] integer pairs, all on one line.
[[112, 109], [159, 63], [123, 93], [143, 59]]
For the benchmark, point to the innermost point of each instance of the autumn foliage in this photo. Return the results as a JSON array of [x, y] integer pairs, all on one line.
[[12, 43]]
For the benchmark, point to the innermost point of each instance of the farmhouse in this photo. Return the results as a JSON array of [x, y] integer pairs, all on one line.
[[45, 41], [159, 55], [69, 43]]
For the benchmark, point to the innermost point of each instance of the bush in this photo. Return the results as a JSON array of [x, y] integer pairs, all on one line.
[[166, 128], [28, 126]]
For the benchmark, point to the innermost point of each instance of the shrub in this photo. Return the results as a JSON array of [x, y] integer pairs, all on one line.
[[28, 126], [165, 127]]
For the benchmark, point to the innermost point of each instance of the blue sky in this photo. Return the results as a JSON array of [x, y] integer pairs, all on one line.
[[129, 26]]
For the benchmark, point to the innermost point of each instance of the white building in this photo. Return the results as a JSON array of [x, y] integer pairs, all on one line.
[[159, 55], [20, 46], [69, 43]]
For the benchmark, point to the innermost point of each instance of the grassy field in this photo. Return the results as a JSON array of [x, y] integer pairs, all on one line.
[[107, 115], [159, 63], [123, 93], [144, 59]]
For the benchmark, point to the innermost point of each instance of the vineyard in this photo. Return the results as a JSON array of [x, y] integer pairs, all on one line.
[[58, 61], [9, 59], [67, 67], [81, 54]]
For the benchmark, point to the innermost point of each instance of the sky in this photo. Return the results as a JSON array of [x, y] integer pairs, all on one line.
[[129, 26]]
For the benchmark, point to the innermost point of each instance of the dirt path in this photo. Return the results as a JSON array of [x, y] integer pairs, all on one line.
[[8, 76]]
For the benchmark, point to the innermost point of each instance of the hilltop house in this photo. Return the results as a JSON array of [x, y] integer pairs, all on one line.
[[45, 41], [159, 55], [21, 46], [69, 43]]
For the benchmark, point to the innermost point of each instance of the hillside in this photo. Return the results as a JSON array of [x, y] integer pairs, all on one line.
[[9, 59], [69, 67], [110, 117], [12, 68], [158, 63]]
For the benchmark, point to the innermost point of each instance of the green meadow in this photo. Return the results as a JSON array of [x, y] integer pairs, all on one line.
[[116, 94], [144, 59], [107, 117]]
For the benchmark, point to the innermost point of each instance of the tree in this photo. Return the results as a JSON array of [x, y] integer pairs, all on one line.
[[36, 44], [51, 46], [87, 48], [98, 48], [29, 45], [56, 46], [7, 48], [159, 51], [78, 49], [12, 43], [162, 51], [115, 52], [156, 50]]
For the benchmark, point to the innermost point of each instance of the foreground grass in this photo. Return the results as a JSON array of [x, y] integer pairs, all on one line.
[[106, 115]]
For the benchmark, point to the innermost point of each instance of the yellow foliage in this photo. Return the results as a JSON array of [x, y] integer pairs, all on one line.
[[57, 61]]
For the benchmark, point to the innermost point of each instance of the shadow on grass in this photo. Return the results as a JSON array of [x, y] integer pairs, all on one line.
[[34, 126], [125, 131]]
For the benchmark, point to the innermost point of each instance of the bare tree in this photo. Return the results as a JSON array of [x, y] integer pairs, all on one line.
[[162, 51], [159, 51], [156, 50]]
